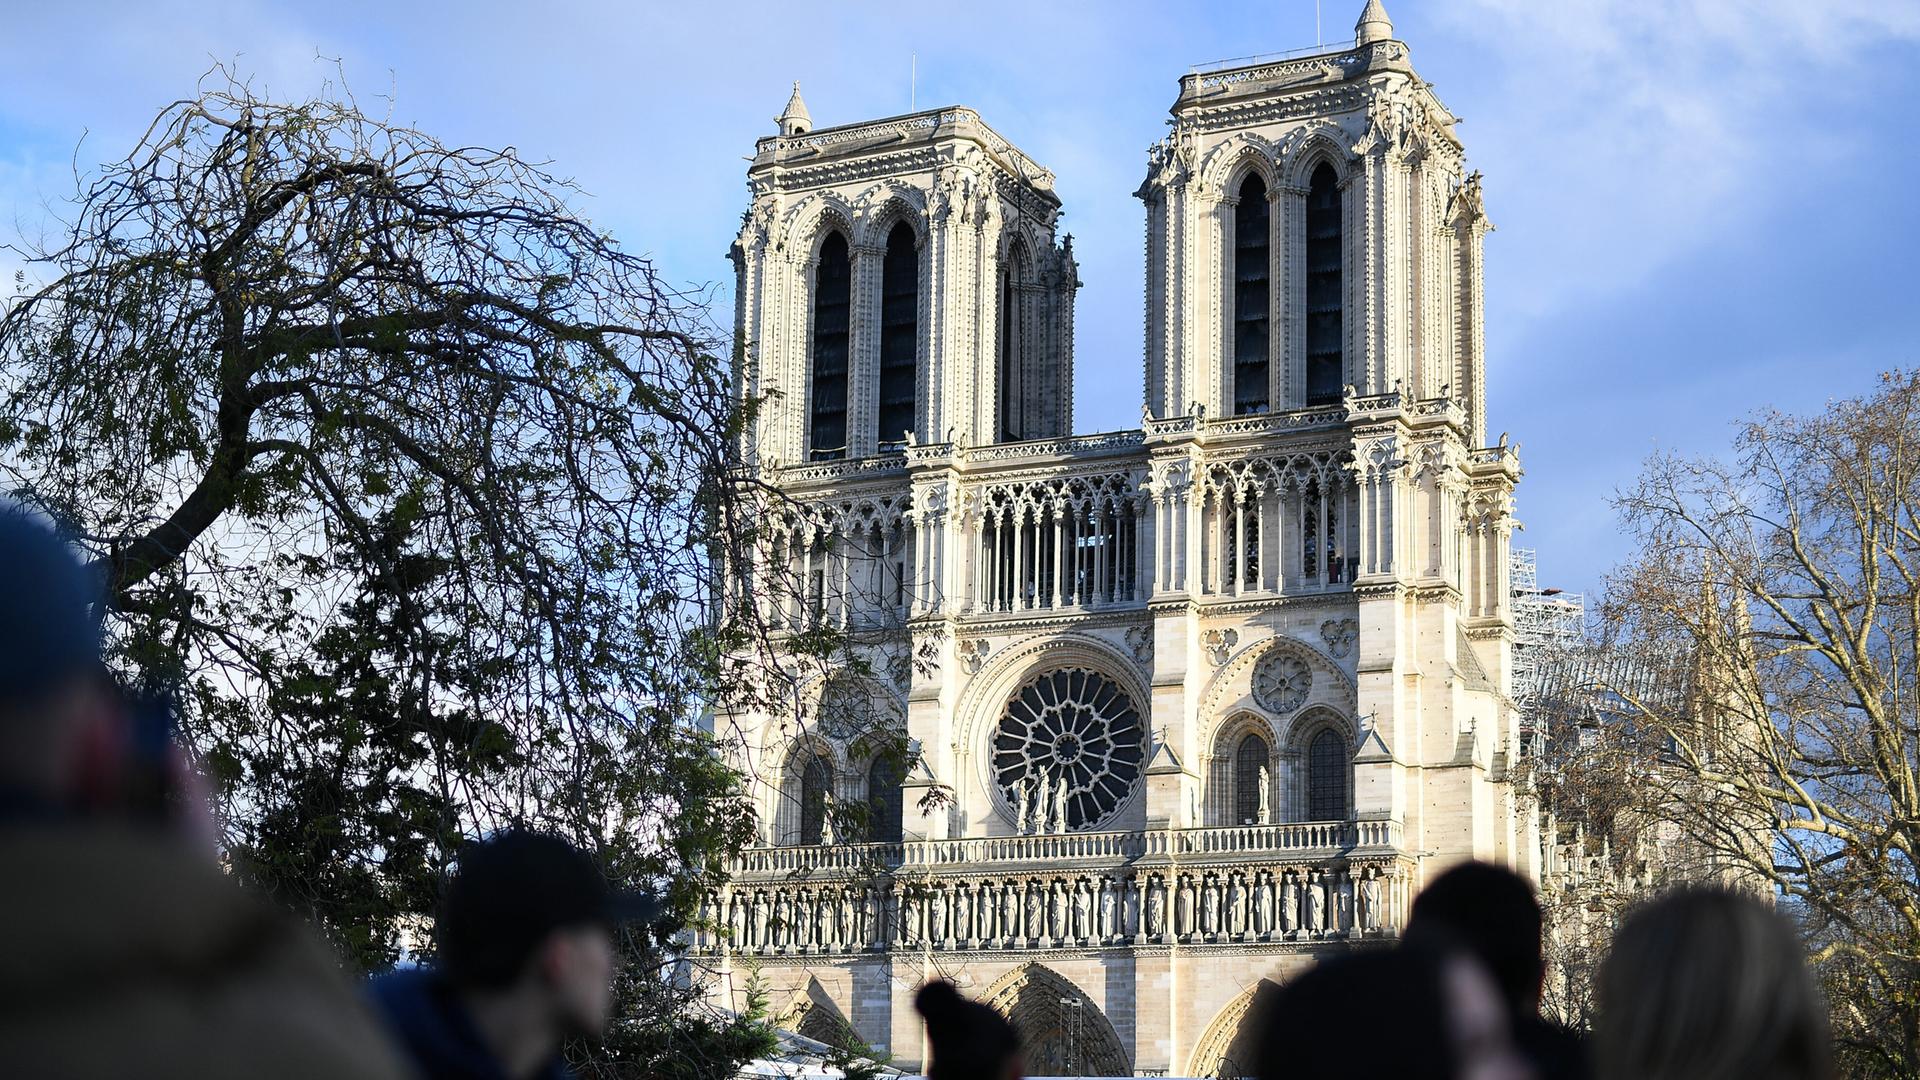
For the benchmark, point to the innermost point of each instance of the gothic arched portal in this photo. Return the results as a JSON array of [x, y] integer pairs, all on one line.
[[1227, 1048], [1062, 1032]]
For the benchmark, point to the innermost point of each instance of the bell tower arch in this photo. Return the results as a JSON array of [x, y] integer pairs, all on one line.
[[1356, 266], [900, 280]]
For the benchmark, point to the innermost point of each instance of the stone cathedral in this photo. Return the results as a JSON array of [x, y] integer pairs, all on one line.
[[1190, 705]]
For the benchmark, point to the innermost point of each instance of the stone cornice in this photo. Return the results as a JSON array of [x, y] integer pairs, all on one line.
[[794, 155]]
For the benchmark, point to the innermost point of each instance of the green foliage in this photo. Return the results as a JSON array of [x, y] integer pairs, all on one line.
[[417, 485], [698, 1042]]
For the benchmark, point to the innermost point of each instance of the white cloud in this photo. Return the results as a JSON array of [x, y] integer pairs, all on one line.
[[1644, 128]]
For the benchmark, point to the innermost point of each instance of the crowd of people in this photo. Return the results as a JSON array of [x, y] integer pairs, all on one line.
[[125, 950], [1702, 984]]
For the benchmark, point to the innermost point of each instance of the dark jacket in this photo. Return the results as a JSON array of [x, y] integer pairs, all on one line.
[[423, 1012], [124, 952]]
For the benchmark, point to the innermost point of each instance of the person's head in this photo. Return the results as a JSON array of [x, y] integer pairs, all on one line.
[[527, 913], [1411, 1013], [1705, 984], [1492, 912], [970, 1041], [61, 732]]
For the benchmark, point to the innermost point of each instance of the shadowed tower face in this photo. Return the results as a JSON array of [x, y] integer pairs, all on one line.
[[1188, 706]]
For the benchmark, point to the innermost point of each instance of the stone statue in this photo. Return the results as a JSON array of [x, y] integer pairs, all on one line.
[[1107, 928], [1009, 912], [1209, 908], [843, 929], [983, 911], [1236, 903], [1370, 901], [1060, 805], [1056, 912], [1082, 910], [1264, 813], [962, 912], [937, 916], [1036, 910], [906, 910], [1183, 908], [1023, 809], [828, 836], [1316, 905], [1289, 903], [1155, 916], [782, 918], [1262, 905], [1040, 804]]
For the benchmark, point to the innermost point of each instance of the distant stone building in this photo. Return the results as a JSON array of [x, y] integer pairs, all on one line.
[[1200, 702]]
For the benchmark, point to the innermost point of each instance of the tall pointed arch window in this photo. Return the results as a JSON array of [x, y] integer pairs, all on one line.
[[816, 783], [1012, 376], [899, 333], [1327, 769], [1325, 288], [1252, 270], [1248, 760], [886, 798], [832, 310]]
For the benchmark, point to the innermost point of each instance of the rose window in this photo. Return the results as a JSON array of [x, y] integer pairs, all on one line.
[[1071, 726], [1281, 682]]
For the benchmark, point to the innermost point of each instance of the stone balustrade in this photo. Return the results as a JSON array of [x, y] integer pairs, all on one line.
[[1297, 882]]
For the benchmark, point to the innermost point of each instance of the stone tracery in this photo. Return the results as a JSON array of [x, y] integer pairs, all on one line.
[[1075, 733]]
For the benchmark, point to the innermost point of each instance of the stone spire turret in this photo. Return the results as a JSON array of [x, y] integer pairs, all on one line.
[[1373, 25], [793, 120]]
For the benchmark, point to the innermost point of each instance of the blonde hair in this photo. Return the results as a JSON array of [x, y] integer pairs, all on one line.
[[1709, 984]]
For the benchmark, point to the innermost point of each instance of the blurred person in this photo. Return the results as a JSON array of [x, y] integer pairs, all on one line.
[[526, 962], [969, 1040], [1409, 1013], [124, 950], [1709, 984], [1493, 913]]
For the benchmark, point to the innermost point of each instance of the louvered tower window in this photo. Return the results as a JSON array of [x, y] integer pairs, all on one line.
[[885, 800], [899, 329], [1251, 271], [815, 782], [1327, 777], [1248, 760], [832, 308], [1325, 294], [1011, 430]]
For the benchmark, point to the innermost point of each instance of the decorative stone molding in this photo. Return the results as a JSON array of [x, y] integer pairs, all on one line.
[[1281, 682], [1340, 636], [1219, 645], [972, 653]]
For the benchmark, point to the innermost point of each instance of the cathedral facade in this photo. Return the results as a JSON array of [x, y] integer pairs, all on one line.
[[1188, 706]]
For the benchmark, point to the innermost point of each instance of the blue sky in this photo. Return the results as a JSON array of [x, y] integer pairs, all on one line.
[[1703, 206]]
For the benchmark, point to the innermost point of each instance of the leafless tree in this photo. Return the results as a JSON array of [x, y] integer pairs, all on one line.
[[1788, 581]]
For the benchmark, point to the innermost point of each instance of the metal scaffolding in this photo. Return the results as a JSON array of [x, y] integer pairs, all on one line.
[[1547, 625]]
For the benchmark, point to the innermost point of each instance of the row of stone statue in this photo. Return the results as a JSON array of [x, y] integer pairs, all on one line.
[[1224, 905]]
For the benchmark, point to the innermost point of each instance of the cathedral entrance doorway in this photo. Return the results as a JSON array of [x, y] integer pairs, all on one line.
[[1062, 1032]]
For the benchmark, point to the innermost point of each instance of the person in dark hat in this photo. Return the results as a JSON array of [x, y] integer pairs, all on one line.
[[124, 950], [526, 961]]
